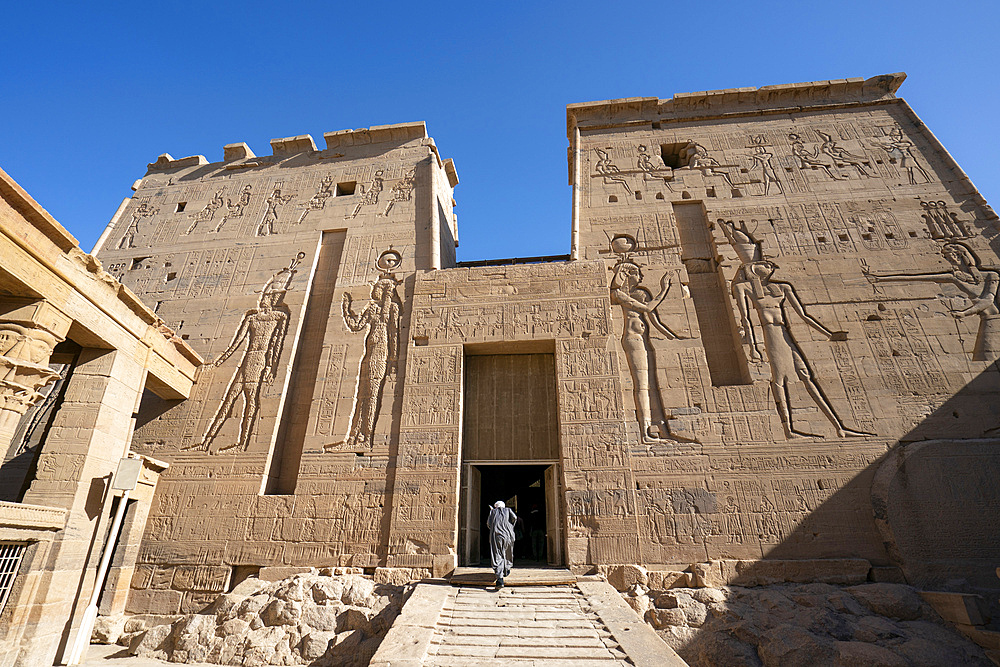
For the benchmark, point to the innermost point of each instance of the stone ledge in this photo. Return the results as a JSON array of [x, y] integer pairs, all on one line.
[[408, 640], [714, 102], [639, 641], [18, 515], [717, 573], [166, 161]]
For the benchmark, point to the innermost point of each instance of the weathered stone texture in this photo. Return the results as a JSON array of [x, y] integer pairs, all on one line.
[[768, 290]]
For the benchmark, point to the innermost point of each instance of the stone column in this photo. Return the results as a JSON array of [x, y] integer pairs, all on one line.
[[29, 330], [90, 434]]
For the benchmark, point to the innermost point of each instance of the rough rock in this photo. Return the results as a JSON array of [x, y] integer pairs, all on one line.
[[107, 629], [709, 595], [791, 646], [661, 618], [663, 580], [316, 644], [803, 624], [860, 654], [321, 617], [305, 618], [717, 648], [624, 577], [893, 600]]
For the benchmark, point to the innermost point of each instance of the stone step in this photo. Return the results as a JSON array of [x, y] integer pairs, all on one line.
[[482, 576], [584, 624], [462, 621], [530, 652], [449, 661]]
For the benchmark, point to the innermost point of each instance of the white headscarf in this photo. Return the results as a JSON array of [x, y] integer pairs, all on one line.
[[498, 504]]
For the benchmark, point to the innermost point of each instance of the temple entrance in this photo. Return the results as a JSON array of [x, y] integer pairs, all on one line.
[[530, 490], [510, 452]]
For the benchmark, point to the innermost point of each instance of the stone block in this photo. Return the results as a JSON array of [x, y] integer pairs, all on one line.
[[718, 573], [661, 580], [624, 577], [959, 608], [400, 576], [277, 573], [892, 600], [887, 574], [158, 602]]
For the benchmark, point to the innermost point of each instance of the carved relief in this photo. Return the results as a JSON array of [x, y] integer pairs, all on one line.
[[755, 289], [976, 282], [42, 410], [942, 224], [900, 152], [652, 166], [318, 201], [371, 194], [610, 171], [813, 159], [263, 330], [761, 158], [639, 314], [274, 202], [25, 349], [144, 210], [381, 319], [207, 213], [236, 209], [697, 157], [841, 156], [402, 191]]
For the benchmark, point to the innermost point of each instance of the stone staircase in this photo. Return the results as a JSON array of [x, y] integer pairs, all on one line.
[[549, 626], [581, 624]]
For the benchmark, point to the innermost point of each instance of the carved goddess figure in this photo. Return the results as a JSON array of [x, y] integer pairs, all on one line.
[[639, 312], [263, 330], [381, 318], [979, 284]]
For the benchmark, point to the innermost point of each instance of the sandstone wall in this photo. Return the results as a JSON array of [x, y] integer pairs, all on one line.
[[770, 290]]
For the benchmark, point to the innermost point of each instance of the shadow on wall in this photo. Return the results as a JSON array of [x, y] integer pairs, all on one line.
[[932, 502], [929, 507]]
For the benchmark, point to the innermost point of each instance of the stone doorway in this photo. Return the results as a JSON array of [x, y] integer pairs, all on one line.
[[510, 449], [533, 490]]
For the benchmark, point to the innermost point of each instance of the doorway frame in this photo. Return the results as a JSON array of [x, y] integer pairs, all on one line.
[[554, 496]]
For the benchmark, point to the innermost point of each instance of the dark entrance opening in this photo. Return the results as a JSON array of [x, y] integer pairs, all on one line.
[[522, 488]]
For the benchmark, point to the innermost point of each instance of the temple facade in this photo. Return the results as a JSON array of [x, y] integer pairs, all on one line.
[[774, 338]]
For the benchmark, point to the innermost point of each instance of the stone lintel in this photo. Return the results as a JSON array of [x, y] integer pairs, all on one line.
[[302, 143], [36, 314], [42, 220], [19, 515]]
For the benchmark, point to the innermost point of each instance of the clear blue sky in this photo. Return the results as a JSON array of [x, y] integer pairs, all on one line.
[[92, 92]]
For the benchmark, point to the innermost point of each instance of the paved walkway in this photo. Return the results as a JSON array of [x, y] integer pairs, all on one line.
[[529, 625]]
